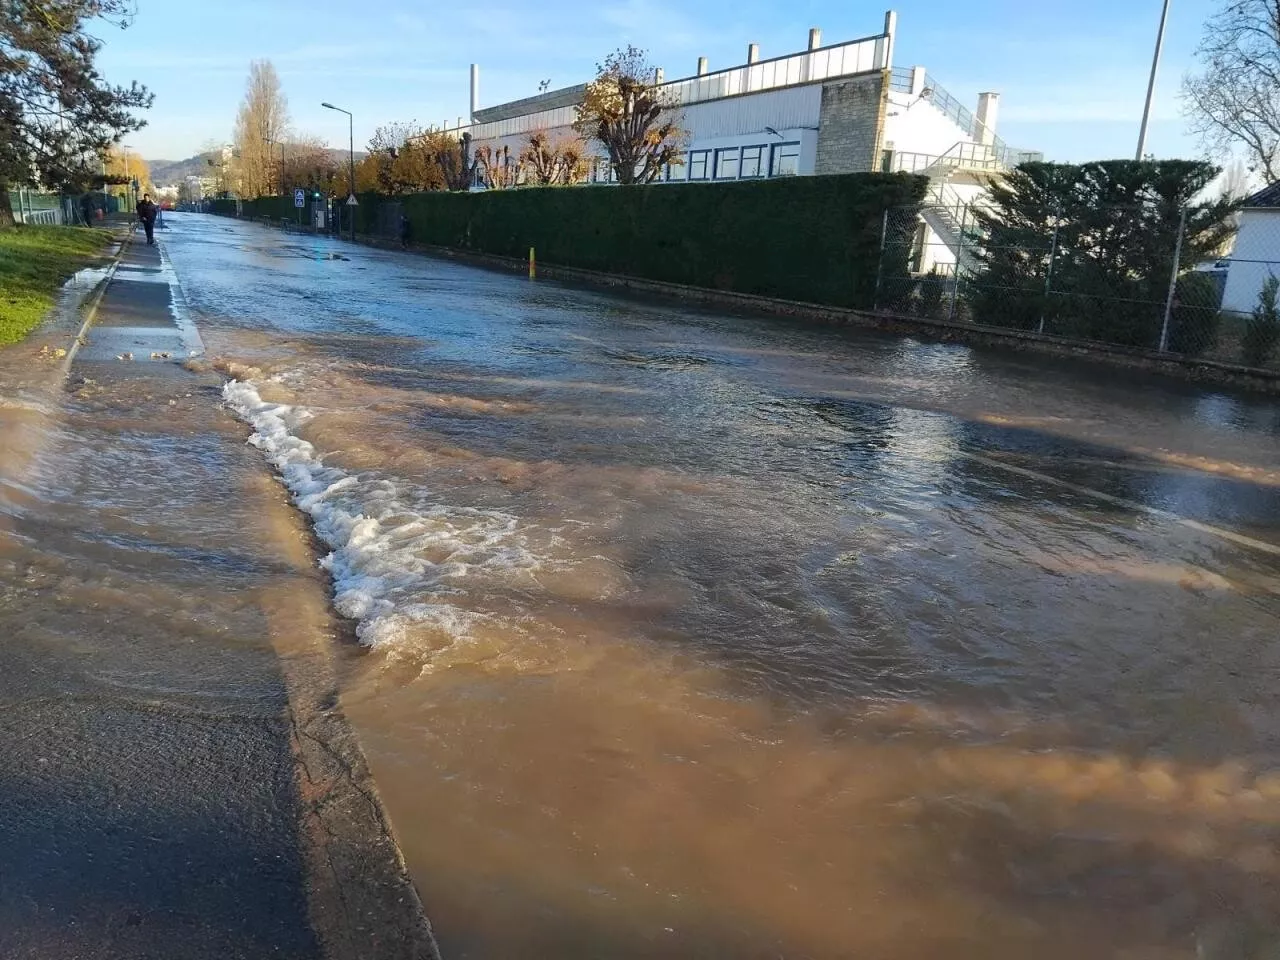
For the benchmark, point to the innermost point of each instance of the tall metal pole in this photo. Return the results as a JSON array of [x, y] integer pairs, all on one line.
[[130, 194], [351, 145], [1048, 274], [884, 234], [1173, 282], [351, 132], [1151, 84]]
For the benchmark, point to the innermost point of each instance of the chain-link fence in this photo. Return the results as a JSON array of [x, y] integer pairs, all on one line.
[[1125, 276], [51, 209]]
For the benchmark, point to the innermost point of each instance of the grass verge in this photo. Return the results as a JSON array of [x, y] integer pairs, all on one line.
[[33, 263]]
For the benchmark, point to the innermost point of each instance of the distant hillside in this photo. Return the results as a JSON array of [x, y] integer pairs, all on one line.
[[166, 173]]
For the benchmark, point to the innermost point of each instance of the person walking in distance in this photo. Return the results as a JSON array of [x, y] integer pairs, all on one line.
[[147, 214]]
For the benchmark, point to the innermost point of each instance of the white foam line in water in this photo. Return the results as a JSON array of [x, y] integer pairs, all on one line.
[[1196, 525], [397, 557]]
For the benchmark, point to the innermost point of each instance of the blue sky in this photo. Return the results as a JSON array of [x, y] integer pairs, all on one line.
[[1072, 75]]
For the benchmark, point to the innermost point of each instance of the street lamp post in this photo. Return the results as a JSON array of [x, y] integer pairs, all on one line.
[[130, 192], [1151, 84], [351, 132]]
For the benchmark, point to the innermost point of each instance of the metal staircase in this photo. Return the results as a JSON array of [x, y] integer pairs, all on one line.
[[975, 158], [952, 218]]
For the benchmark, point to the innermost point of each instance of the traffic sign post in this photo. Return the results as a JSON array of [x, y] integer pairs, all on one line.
[[352, 202]]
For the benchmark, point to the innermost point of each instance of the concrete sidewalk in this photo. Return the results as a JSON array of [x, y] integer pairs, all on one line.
[[177, 779], [142, 316]]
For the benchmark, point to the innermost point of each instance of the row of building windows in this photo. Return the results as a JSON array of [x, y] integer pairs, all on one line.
[[752, 162]]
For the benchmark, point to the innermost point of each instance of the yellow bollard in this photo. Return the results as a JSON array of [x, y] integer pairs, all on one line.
[[533, 265]]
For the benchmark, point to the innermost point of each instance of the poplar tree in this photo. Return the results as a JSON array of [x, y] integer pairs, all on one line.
[[262, 125]]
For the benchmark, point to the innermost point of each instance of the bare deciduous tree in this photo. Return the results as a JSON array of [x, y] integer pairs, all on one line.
[[1235, 100], [496, 169], [626, 110], [261, 124], [453, 156], [552, 162], [310, 165], [121, 167], [1236, 182], [403, 159]]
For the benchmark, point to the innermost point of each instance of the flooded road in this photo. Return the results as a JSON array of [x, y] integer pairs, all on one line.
[[684, 634]]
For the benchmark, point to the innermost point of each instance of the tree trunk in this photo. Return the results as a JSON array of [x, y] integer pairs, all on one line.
[[6, 210]]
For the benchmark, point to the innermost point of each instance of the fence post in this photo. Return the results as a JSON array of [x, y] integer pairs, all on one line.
[[1173, 282], [1048, 274], [955, 287], [884, 231]]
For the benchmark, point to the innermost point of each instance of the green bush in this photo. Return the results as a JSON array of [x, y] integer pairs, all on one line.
[[1197, 317], [933, 294], [1110, 230], [815, 239], [1262, 330]]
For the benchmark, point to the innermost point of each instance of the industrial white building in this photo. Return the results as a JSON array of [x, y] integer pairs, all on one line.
[[839, 108]]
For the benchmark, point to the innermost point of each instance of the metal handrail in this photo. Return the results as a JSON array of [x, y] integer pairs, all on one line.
[[46, 217], [905, 161], [963, 153], [900, 80], [948, 201]]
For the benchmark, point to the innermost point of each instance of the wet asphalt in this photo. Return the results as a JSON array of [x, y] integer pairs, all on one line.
[[176, 778]]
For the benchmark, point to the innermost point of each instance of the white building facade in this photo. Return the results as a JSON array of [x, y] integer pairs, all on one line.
[[839, 108], [1256, 253]]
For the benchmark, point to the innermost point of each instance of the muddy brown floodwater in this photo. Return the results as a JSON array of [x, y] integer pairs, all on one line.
[[679, 634]]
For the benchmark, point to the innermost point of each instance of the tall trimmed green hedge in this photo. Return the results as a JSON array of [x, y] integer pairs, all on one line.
[[798, 238]]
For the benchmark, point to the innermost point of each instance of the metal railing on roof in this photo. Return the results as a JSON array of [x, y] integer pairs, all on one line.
[[825, 63], [838, 60]]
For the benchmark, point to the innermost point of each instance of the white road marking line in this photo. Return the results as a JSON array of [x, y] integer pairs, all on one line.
[[1196, 525]]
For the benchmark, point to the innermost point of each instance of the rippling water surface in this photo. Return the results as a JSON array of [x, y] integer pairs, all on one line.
[[685, 634]]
